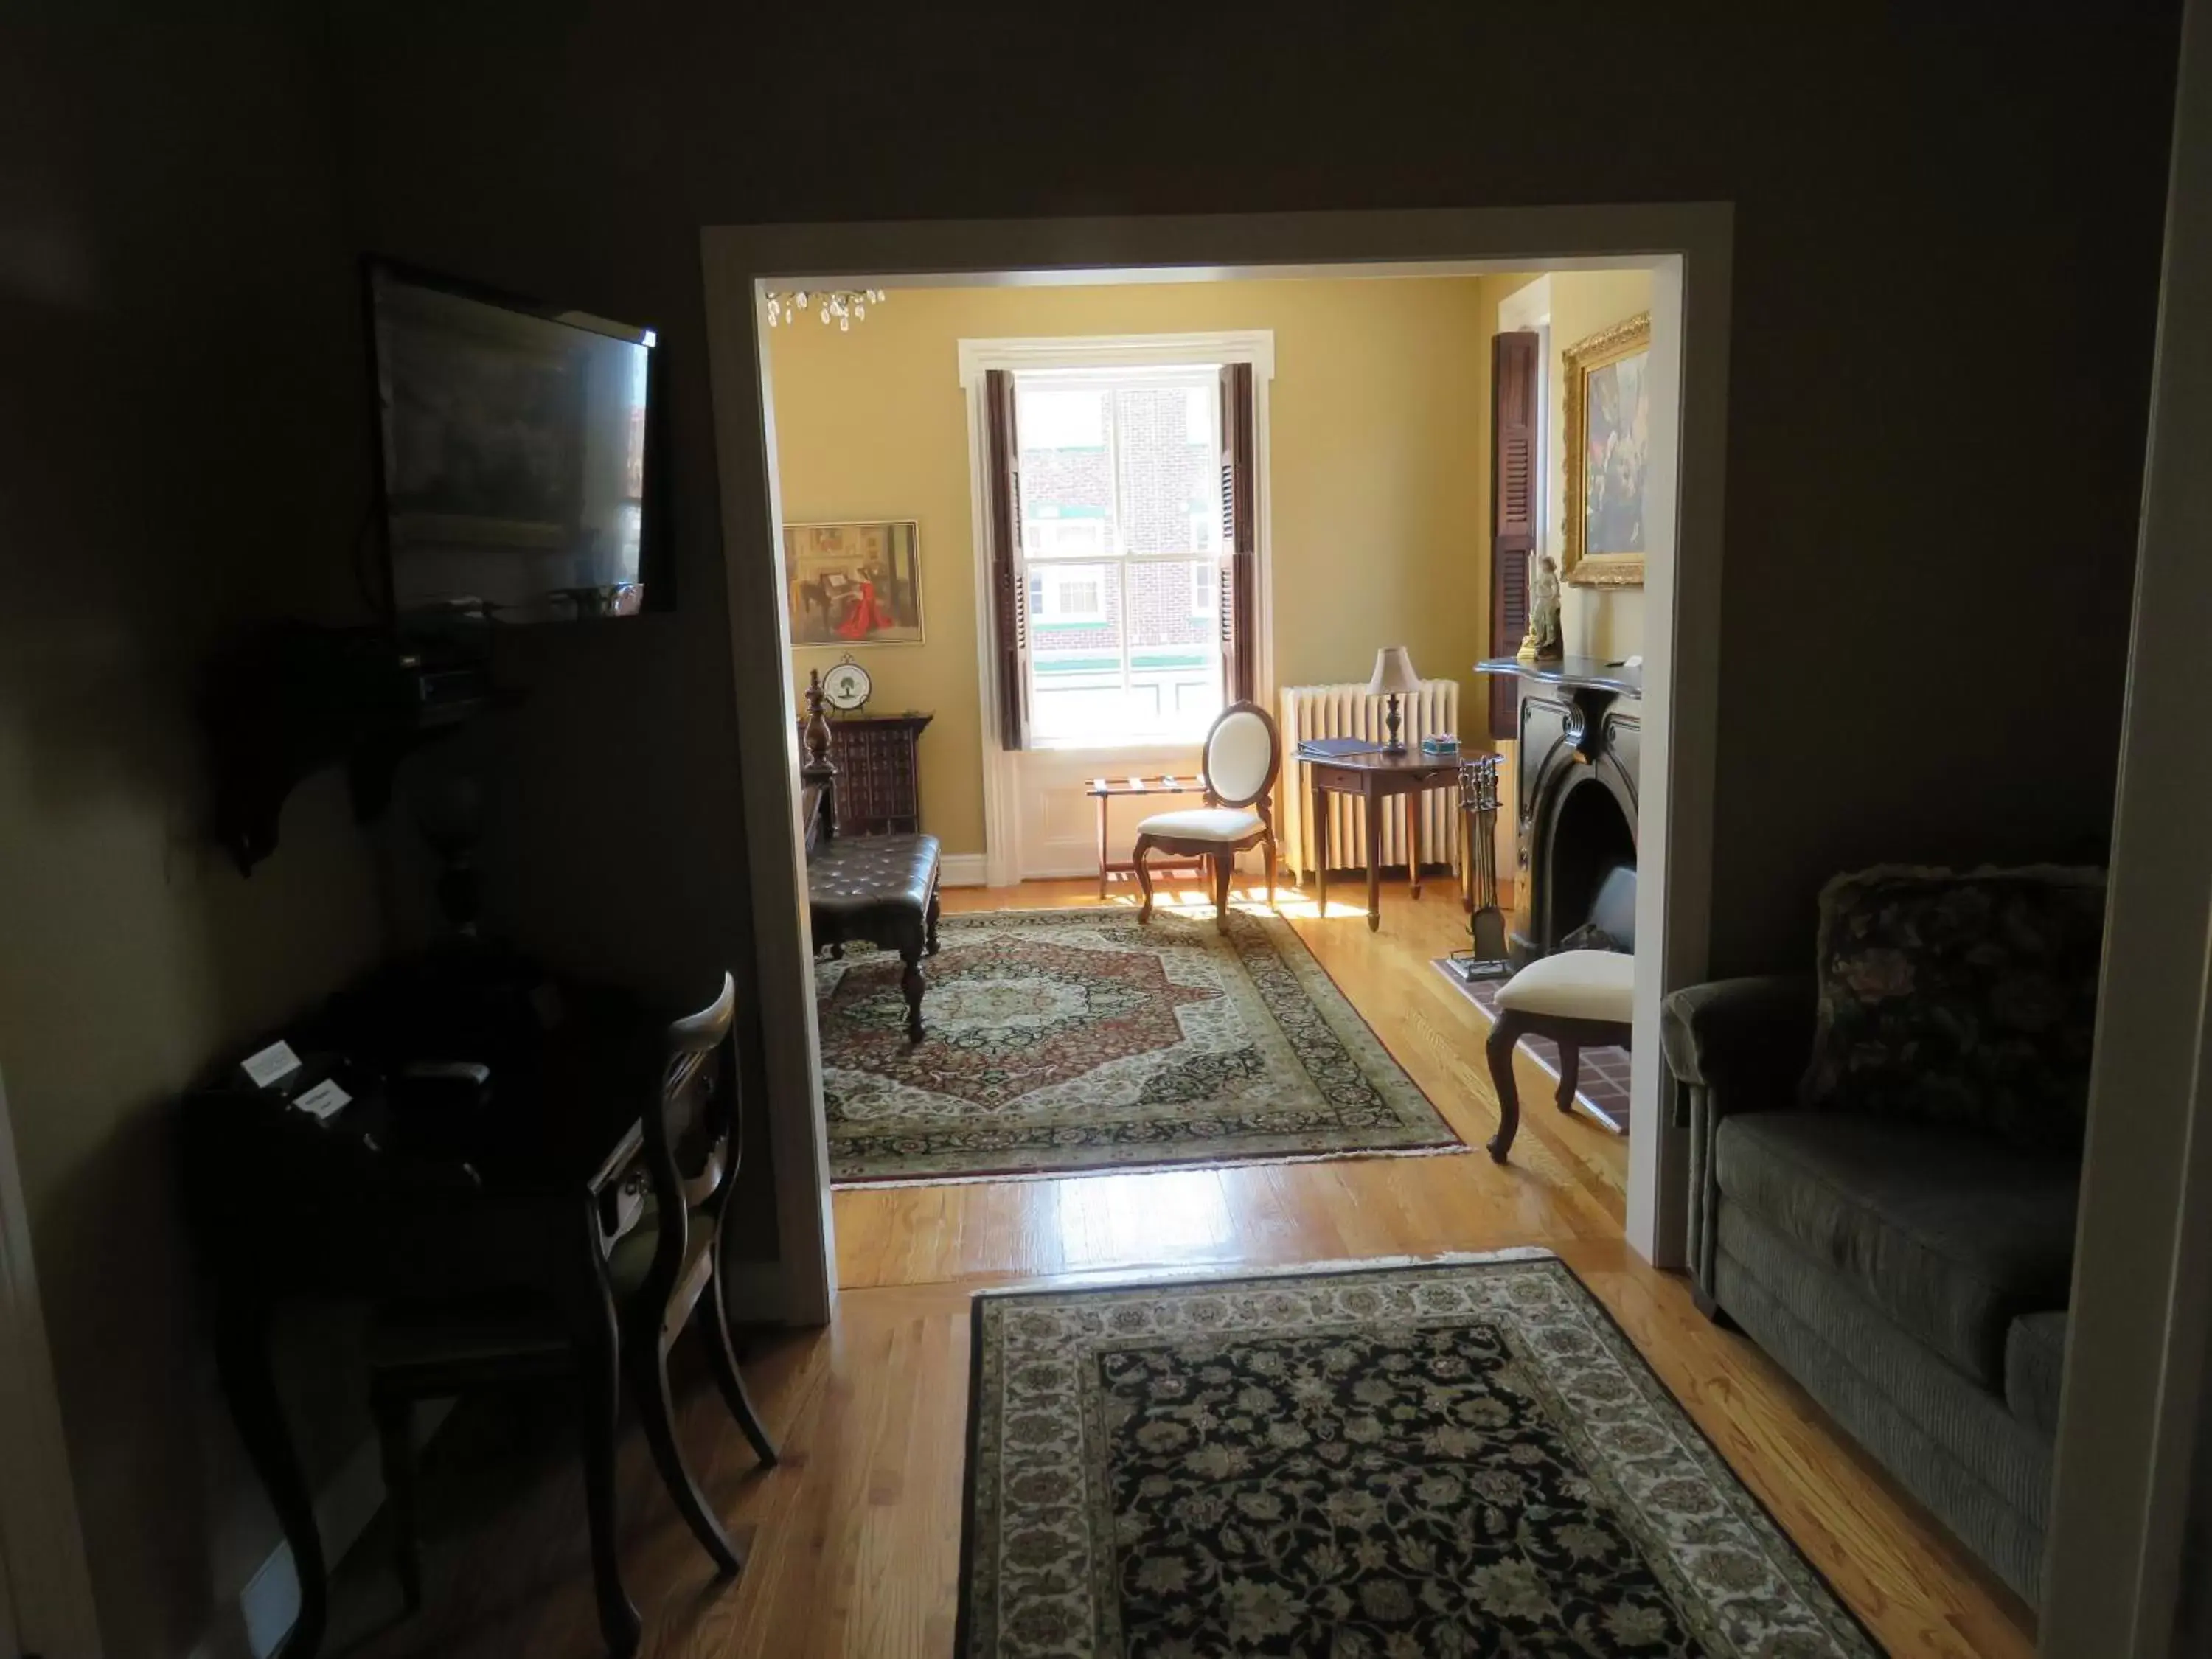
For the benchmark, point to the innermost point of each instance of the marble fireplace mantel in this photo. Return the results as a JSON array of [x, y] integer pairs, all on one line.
[[1580, 732]]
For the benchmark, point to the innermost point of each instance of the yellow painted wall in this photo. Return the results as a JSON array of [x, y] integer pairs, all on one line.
[[1602, 622], [1379, 466]]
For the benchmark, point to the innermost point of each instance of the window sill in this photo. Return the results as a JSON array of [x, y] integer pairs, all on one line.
[[1069, 750]]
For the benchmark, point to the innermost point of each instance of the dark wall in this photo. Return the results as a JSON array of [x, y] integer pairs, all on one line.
[[1947, 238], [182, 451]]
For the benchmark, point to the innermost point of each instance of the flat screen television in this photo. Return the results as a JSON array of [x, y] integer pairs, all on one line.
[[517, 452]]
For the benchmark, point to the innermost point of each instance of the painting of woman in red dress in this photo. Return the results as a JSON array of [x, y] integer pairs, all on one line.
[[864, 613], [853, 584]]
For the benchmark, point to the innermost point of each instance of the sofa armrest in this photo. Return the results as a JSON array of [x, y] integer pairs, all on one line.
[[1741, 1038], [1734, 1045]]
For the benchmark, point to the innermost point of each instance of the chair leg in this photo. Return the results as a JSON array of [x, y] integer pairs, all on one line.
[[395, 1433], [598, 1396], [1269, 843], [1144, 879], [1504, 1037], [1224, 870], [910, 981], [722, 1360], [656, 1414], [1571, 1071]]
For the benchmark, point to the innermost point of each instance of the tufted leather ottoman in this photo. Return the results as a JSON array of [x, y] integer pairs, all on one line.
[[878, 890]]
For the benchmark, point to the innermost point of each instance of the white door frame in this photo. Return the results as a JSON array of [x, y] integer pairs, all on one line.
[[1001, 770], [2136, 1358], [1689, 248], [43, 1570]]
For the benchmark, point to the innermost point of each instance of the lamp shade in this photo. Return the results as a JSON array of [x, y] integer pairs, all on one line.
[[1394, 671]]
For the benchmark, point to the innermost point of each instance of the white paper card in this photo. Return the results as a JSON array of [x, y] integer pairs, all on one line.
[[324, 1098], [271, 1066]]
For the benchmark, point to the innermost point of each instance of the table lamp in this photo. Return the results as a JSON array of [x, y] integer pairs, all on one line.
[[1394, 677]]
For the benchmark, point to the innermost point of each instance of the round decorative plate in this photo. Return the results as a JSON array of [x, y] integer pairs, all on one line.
[[845, 687]]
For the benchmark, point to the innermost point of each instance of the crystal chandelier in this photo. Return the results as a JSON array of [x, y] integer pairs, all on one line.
[[843, 306]]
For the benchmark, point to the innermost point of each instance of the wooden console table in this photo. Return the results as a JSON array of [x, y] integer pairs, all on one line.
[[1105, 790], [1375, 778]]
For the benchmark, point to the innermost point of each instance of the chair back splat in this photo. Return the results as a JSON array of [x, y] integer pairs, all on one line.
[[695, 1121], [1613, 913], [1243, 756]]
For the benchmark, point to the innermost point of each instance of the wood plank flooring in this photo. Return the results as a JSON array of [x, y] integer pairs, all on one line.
[[856, 1538]]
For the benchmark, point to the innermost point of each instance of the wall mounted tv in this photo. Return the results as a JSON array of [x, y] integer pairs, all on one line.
[[518, 455]]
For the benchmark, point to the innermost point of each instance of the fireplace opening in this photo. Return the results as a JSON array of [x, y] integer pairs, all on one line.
[[1590, 836]]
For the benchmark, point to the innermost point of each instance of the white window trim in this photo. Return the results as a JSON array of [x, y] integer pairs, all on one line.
[[1097, 351]]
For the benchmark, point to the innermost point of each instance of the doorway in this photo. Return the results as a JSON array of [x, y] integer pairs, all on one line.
[[1690, 278]]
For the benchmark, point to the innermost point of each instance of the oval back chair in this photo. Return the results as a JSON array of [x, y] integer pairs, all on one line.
[[1243, 754]]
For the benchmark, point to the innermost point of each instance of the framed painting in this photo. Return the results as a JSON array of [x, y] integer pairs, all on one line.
[[855, 584], [1608, 429]]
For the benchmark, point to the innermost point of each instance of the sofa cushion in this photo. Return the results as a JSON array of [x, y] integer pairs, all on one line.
[[1965, 999], [1948, 1440], [1952, 1236], [2035, 1358]]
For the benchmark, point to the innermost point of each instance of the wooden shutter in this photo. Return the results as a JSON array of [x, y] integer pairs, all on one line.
[[1010, 588], [1238, 589], [1514, 478]]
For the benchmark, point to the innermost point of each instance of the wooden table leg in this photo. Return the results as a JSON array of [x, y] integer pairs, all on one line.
[[1416, 806], [242, 1360], [1374, 814], [1321, 849]]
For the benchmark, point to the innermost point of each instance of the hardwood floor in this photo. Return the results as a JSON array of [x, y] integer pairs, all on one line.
[[856, 1538]]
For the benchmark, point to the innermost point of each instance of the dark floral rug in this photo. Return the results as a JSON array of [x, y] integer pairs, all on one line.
[[1419, 1462], [1077, 1040]]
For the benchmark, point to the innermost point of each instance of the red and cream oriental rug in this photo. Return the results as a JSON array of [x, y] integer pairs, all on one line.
[[1077, 1041]]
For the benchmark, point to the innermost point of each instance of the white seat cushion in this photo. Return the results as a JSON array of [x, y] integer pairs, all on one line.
[[1575, 985], [1203, 823]]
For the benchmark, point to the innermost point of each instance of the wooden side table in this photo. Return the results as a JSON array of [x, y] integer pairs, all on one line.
[[1375, 779], [1105, 790]]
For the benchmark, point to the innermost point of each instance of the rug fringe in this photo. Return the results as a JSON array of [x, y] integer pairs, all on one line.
[[1111, 1278], [876, 1183]]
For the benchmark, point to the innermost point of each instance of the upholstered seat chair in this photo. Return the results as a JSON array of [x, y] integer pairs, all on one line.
[[1242, 755], [1579, 998]]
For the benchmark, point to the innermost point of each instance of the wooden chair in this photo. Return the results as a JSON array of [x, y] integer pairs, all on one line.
[[654, 1234], [1244, 754], [1579, 998]]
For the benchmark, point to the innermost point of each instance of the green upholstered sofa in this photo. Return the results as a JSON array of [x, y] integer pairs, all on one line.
[[1912, 1276]]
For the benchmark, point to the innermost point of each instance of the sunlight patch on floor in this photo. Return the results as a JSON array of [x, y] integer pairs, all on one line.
[[1122, 1218]]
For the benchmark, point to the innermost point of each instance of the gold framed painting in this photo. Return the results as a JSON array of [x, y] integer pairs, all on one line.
[[1608, 430], [855, 584]]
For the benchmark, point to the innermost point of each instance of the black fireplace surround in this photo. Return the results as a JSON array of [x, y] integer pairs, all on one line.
[[1581, 730]]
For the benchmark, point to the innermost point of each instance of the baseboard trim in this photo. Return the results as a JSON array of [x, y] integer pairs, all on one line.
[[270, 1603], [961, 869]]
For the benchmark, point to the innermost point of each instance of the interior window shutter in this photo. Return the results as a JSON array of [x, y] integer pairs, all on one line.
[[1238, 587], [1515, 477], [1010, 606]]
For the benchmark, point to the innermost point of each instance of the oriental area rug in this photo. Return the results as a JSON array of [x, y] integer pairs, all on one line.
[[1079, 1041], [1438, 1461]]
